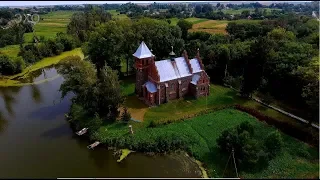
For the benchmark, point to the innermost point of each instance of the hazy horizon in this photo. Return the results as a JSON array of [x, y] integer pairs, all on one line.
[[49, 3]]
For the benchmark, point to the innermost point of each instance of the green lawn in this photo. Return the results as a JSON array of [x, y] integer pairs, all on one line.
[[52, 23], [219, 96], [200, 134]]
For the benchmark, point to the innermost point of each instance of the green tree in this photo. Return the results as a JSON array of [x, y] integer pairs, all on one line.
[[273, 144], [102, 96], [184, 26], [104, 46]]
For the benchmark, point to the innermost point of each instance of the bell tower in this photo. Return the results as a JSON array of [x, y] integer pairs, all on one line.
[[143, 59]]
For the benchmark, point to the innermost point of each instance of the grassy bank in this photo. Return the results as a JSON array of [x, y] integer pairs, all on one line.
[[8, 80], [198, 137]]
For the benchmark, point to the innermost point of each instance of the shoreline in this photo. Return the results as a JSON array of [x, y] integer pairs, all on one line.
[[7, 81]]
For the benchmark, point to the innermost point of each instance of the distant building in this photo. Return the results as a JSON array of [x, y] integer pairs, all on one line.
[[157, 82], [249, 17]]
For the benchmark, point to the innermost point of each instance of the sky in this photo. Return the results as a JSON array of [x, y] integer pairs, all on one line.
[[43, 3]]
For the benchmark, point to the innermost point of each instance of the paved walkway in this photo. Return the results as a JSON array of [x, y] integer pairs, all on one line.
[[286, 113], [279, 110]]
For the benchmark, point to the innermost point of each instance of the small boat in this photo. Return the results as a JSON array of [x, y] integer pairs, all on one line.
[[82, 131], [91, 146]]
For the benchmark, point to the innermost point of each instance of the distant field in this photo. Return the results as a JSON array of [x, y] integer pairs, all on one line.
[[210, 26], [216, 26], [239, 11], [193, 20], [51, 24], [117, 15]]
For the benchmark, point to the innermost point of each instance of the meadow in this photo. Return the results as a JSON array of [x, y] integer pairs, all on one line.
[[210, 26], [117, 15], [50, 24], [198, 137], [239, 11]]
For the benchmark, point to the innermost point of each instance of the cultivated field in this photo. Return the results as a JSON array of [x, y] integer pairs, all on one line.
[[239, 11], [215, 26], [50, 24]]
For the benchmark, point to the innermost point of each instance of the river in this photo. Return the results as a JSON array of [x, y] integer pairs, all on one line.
[[37, 142]]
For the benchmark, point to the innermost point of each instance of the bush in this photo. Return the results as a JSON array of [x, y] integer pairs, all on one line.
[[29, 57], [125, 116], [20, 64], [273, 144], [7, 66], [67, 41], [246, 148]]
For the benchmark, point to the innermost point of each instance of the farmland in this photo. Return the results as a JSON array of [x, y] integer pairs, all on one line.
[[50, 24], [216, 26], [239, 11]]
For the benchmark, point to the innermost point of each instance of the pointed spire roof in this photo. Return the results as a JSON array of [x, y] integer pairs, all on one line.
[[143, 51]]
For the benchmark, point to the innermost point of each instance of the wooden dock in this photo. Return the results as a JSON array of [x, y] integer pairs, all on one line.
[[82, 131], [95, 144]]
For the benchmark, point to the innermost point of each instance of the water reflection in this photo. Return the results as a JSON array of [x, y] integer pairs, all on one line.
[[8, 95], [38, 75], [36, 94], [3, 122]]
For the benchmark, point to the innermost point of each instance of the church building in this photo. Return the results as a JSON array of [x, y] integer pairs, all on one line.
[[158, 82]]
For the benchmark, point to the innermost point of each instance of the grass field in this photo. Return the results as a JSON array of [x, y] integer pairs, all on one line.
[[117, 15], [217, 26], [239, 11], [200, 134], [8, 80], [52, 23]]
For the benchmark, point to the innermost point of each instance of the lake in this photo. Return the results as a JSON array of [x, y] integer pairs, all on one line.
[[37, 142]]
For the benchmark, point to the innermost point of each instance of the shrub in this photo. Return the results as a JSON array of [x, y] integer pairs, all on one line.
[[246, 126], [273, 144], [125, 116], [7, 66], [246, 148], [67, 41], [29, 57], [20, 64]]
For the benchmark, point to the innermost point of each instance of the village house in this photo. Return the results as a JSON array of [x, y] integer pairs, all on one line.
[[158, 82]]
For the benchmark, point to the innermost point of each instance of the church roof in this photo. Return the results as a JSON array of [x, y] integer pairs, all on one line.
[[143, 51], [172, 70], [166, 70], [195, 65], [151, 87], [182, 66]]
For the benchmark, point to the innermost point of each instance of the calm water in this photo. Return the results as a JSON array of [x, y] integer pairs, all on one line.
[[36, 141]]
